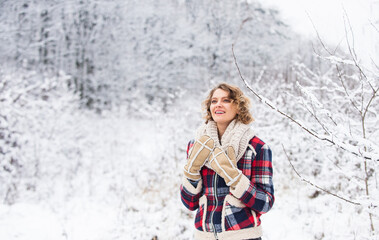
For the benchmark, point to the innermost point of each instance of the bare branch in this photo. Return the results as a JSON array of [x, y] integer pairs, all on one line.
[[352, 50], [241, 27], [369, 103], [373, 25], [374, 63], [318, 35], [346, 92], [314, 185], [346, 18]]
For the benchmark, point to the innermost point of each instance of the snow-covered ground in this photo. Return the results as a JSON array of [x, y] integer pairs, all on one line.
[[67, 172], [126, 186]]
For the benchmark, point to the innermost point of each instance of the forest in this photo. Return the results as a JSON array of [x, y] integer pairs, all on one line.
[[98, 100]]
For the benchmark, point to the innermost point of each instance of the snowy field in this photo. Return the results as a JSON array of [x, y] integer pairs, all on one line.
[[98, 100], [124, 184]]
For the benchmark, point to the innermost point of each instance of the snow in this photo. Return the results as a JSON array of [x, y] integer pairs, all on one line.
[[130, 195], [29, 221], [111, 169]]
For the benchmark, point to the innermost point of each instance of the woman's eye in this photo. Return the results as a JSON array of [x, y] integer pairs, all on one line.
[[227, 100], [213, 101]]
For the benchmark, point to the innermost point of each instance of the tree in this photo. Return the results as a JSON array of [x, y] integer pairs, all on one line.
[[30, 106], [338, 103]]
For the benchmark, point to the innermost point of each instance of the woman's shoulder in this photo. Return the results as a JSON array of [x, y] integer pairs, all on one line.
[[257, 143]]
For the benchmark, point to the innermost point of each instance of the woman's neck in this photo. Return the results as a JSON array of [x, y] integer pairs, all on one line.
[[221, 130]]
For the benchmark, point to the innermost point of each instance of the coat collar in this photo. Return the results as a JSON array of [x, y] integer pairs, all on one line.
[[236, 135]]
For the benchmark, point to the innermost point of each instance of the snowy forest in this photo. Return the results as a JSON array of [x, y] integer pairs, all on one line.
[[98, 100]]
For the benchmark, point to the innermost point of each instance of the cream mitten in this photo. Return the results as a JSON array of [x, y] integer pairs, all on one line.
[[198, 156], [225, 165]]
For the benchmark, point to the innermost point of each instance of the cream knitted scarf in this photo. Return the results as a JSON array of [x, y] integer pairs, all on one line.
[[236, 135]]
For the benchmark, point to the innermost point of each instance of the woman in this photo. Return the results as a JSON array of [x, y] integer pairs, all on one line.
[[228, 175]]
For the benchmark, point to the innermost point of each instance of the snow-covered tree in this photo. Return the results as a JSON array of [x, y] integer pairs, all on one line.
[[335, 104], [31, 106]]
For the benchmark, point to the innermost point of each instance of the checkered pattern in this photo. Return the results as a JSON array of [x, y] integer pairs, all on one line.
[[258, 195], [199, 218], [237, 218], [190, 200]]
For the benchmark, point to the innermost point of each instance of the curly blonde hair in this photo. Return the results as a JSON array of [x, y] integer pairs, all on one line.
[[237, 97]]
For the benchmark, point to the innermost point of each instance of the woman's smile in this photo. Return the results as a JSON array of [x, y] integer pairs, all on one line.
[[223, 109]]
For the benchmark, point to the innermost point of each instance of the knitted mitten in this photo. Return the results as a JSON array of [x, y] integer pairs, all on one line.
[[197, 157], [225, 165]]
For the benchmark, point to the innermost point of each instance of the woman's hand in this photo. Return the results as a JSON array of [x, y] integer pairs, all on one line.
[[197, 157], [225, 165]]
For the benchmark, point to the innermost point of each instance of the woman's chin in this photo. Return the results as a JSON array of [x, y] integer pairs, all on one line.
[[222, 121]]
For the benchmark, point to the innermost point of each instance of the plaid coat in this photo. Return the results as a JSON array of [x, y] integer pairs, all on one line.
[[224, 213]]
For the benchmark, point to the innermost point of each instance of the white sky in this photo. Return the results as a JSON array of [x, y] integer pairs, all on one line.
[[327, 15]]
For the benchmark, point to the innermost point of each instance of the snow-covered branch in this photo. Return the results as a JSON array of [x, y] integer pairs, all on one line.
[[327, 138], [314, 185]]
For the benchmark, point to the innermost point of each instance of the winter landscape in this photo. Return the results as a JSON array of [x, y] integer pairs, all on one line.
[[98, 100]]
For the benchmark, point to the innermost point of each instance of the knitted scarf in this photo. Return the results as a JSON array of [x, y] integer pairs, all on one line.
[[236, 135]]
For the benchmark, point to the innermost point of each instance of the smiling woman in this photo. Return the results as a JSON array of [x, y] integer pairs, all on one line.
[[222, 109], [228, 175], [230, 103]]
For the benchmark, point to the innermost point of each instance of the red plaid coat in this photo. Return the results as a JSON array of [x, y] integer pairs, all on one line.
[[224, 213]]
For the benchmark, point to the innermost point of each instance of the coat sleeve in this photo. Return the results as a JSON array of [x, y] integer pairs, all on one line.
[[190, 190], [257, 193]]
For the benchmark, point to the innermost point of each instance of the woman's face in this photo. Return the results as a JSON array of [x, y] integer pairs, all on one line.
[[222, 108]]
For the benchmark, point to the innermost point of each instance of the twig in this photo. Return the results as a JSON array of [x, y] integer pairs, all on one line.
[[373, 25], [352, 49], [313, 109], [352, 149], [369, 103], [374, 63], [241, 27], [314, 185], [346, 92], [354, 55], [318, 35]]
